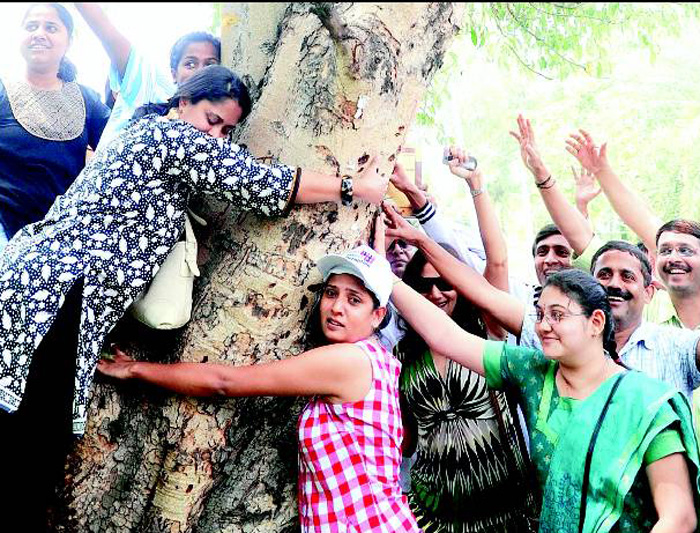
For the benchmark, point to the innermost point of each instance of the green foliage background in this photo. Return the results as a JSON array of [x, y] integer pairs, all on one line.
[[627, 73]]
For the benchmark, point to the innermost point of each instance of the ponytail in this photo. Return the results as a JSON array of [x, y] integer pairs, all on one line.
[[610, 347]]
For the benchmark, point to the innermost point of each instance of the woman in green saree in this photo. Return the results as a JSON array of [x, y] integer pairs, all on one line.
[[634, 432]]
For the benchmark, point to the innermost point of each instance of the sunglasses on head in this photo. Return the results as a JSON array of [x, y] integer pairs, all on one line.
[[425, 285]]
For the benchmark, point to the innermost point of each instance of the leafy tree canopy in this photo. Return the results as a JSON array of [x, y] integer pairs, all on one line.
[[628, 73]]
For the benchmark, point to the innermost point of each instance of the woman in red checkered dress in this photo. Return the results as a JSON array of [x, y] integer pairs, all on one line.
[[350, 433]]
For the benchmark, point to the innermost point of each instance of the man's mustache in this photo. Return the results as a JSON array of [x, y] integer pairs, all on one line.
[[676, 266], [619, 293]]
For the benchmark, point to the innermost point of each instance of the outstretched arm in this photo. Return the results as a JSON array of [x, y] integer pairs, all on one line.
[[432, 220], [114, 42], [339, 371], [626, 203], [496, 271], [437, 329], [369, 186], [506, 309], [572, 224]]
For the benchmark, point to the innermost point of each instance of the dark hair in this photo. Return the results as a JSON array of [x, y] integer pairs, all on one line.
[[314, 336], [66, 69], [643, 248], [213, 83], [586, 291], [680, 225], [546, 231], [634, 251], [195, 37], [465, 315]]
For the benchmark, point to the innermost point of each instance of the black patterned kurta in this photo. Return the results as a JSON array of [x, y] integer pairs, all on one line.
[[465, 476], [114, 227]]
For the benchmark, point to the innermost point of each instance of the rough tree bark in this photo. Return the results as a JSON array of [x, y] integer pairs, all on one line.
[[333, 83]]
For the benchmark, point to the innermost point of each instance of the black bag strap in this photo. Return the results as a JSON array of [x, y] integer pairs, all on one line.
[[527, 473], [589, 455]]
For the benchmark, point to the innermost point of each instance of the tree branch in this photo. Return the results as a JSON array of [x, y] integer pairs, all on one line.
[[330, 19], [571, 15], [515, 53], [542, 41]]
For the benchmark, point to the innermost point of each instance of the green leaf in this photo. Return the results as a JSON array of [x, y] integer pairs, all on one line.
[[475, 37]]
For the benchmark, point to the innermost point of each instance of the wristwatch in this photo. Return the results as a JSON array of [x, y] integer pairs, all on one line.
[[346, 190]]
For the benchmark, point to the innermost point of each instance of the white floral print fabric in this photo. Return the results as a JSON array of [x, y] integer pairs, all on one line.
[[113, 228]]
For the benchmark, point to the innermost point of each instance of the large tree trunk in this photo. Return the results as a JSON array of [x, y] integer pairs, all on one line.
[[331, 87]]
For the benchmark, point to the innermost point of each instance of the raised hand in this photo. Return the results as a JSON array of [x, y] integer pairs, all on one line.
[[119, 367], [529, 150], [371, 185], [587, 153], [401, 180], [586, 189], [379, 234], [472, 177], [399, 228]]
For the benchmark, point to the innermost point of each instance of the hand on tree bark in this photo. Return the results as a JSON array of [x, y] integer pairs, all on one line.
[[119, 368], [371, 185], [379, 234], [399, 228], [401, 181]]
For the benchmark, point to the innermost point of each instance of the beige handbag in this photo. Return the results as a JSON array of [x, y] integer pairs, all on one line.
[[167, 301]]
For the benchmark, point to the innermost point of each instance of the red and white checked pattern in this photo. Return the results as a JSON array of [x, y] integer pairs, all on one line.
[[349, 458]]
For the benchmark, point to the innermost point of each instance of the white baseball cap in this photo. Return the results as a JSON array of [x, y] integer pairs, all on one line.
[[364, 263]]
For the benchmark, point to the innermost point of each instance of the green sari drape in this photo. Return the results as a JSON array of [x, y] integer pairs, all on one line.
[[641, 409]]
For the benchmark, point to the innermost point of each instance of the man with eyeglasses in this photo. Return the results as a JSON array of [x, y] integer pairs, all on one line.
[[678, 265], [661, 351], [678, 239], [399, 253]]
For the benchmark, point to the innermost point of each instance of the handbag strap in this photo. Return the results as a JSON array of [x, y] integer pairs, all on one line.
[[190, 247], [589, 454], [528, 467]]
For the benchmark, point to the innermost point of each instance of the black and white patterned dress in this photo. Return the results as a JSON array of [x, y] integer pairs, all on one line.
[[113, 228]]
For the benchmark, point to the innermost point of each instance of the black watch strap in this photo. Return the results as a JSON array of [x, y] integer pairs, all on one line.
[[346, 190]]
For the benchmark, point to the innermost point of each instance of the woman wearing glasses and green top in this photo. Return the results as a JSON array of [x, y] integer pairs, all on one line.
[[614, 450]]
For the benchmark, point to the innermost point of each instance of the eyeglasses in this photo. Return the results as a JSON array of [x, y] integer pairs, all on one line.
[[425, 285], [683, 250], [553, 317]]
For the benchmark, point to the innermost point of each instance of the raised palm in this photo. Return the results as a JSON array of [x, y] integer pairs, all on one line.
[[528, 147], [582, 147], [586, 186]]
